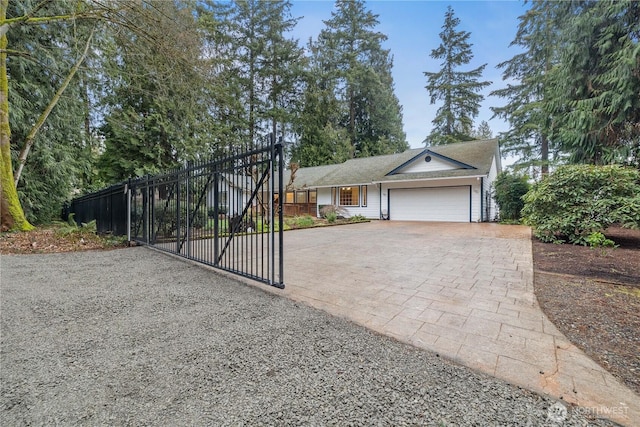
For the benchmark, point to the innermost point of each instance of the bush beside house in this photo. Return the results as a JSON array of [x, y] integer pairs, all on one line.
[[577, 201]]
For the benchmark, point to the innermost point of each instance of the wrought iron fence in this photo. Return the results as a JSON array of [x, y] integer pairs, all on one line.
[[226, 213]]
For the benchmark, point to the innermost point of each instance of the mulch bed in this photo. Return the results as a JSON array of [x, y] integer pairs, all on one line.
[[51, 240], [593, 297]]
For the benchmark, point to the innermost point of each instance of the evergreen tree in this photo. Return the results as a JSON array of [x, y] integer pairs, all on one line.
[[282, 69], [595, 85], [322, 139], [265, 67], [59, 154], [526, 111], [223, 95], [58, 35], [577, 82], [155, 111], [483, 131], [458, 90], [359, 77]]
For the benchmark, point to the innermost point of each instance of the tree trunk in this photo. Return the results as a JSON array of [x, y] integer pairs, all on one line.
[[544, 155], [11, 213]]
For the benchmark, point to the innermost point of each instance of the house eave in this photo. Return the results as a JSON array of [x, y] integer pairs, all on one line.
[[391, 181], [339, 185]]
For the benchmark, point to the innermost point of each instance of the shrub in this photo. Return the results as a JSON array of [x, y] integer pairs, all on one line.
[[166, 219], [340, 212], [577, 201], [508, 191], [357, 218], [599, 240], [331, 217], [304, 221]]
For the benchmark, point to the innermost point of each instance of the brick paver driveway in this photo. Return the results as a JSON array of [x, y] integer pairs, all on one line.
[[462, 290]]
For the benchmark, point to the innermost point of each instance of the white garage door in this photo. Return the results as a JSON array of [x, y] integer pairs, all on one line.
[[451, 204]]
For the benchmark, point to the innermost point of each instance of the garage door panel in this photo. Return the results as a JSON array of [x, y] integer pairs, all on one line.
[[451, 204]]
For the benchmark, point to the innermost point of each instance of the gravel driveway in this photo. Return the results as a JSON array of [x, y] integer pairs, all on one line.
[[135, 337]]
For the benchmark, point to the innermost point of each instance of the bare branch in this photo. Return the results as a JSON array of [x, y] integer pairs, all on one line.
[[11, 52]]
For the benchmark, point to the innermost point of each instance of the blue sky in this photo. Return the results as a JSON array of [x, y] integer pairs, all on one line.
[[413, 28]]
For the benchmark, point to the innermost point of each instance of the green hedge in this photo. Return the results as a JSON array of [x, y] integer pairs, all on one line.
[[576, 201], [508, 192]]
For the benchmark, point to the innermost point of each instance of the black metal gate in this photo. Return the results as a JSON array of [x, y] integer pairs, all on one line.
[[225, 213]]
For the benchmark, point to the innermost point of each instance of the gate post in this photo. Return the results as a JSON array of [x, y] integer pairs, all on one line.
[[150, 212], [178, 207], [128, 196], [146, 211], [280, 212], [216, 221], [276, 152], [187, 232]]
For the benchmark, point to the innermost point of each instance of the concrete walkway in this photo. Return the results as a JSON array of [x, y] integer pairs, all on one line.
[[464, 291]]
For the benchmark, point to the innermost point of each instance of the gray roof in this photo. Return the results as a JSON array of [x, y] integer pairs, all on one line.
[[308, 177], [473, 157]]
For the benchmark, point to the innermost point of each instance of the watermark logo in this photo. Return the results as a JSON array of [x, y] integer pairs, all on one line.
[[557, 413], [603, 411]]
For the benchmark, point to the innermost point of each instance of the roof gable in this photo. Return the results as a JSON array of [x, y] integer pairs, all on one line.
[[429, 161]]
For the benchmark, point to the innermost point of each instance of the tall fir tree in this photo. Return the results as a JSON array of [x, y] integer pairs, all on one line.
[[359, 76], [222, 93], [483, 131], [282, 69], [265, 68], [60, 153], [154, 108], [322, 140], [458, 90], [529, 135], [595, 85], [575, 97]]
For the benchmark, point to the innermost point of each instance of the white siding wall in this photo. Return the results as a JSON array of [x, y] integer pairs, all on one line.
[[371, 211], [235, 199], [473, 182], [323, 198]]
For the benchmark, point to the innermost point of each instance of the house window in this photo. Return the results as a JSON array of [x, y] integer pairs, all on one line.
[[349, 196], [364, 195], [301, 197], [313, 196], [288, 197]]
